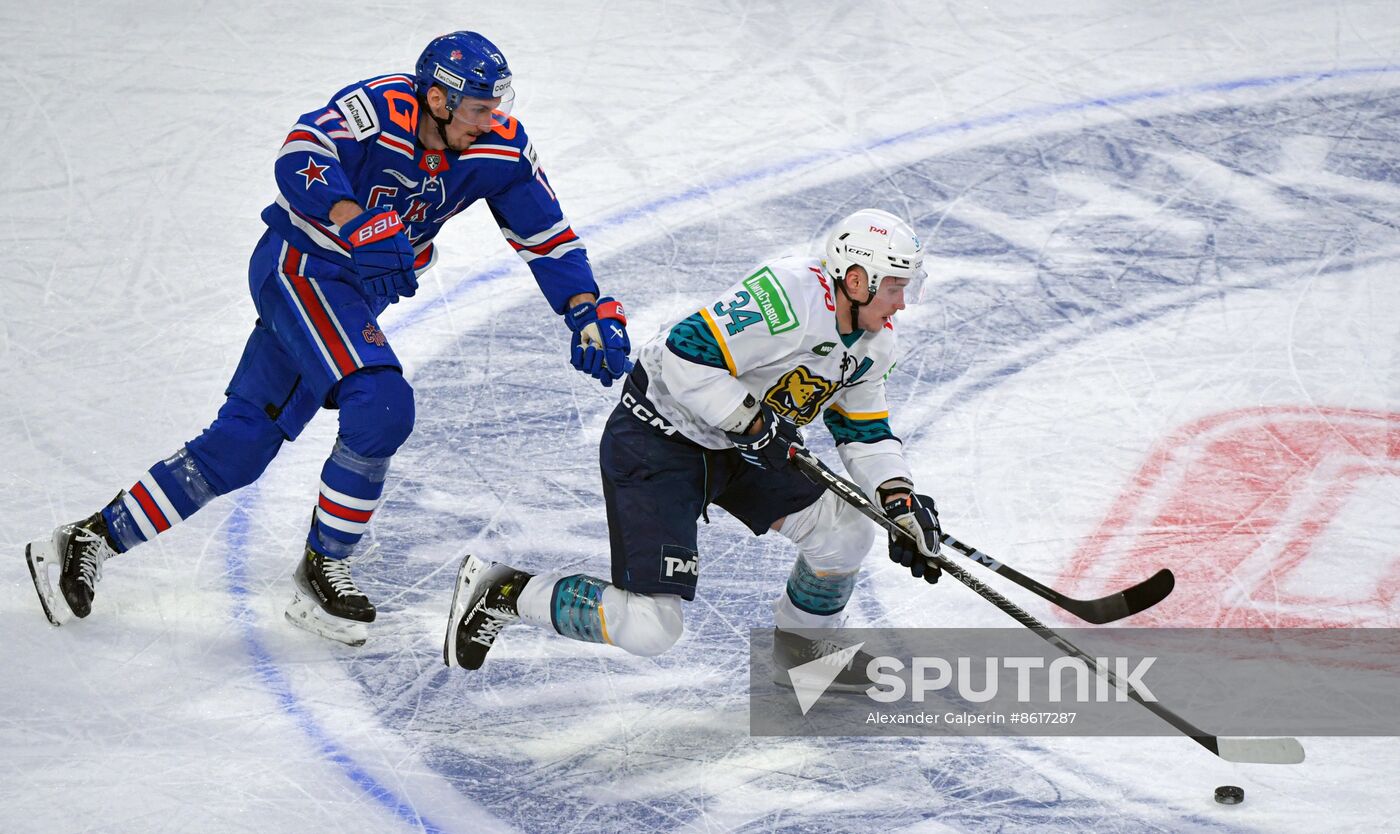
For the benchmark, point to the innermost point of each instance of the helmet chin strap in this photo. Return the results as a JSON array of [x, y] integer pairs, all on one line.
[[442, 126], [441, 123], [855, 305]]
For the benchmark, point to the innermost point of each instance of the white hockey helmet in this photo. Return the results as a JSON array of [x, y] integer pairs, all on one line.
[[884, 245]]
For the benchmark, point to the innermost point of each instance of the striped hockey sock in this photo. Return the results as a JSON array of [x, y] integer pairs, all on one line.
[[350, 488], [813, 598], [578, 608], [169, 492]]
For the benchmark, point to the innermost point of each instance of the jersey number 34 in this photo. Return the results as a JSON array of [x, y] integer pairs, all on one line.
[[739, 318]]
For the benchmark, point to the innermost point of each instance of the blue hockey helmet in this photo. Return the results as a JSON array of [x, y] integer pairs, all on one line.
[[464, 65]]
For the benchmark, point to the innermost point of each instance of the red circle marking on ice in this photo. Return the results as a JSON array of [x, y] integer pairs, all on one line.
[[1236, 505]]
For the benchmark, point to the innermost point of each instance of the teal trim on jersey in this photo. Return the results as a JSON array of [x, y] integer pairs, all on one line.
[[691, 339], [851, 338], [845, 430], [816, 594], [576, 608]]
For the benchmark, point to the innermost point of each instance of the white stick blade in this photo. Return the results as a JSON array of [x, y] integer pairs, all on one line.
[[1261, 750]]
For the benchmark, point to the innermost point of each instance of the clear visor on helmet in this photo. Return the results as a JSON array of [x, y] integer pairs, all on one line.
[[912, 288], [507, 102], [481, 111]]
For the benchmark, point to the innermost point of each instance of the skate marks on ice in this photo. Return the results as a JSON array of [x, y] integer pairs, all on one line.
[[1065, 236]]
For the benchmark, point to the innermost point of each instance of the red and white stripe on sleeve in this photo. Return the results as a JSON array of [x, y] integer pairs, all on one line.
[[553, 242], [304, 138]]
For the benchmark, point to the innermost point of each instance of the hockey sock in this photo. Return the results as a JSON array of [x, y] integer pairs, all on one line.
[[813, 599], [350, 488], [536, 602], [169, 492], [594, 610], [575, 605]]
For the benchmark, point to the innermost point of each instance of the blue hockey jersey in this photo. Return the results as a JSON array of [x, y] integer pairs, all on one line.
[[363, 146]]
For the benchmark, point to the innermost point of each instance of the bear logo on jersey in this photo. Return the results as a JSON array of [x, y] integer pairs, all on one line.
[[799, 395]]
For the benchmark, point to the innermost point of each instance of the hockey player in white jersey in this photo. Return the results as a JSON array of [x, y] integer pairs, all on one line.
[[708, 416]]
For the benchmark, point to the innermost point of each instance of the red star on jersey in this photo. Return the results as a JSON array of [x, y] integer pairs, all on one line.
[[313, 172]]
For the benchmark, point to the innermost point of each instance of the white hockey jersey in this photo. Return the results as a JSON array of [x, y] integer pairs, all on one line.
[[774, 336]]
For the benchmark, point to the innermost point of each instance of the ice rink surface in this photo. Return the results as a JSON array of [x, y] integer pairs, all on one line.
[[1162, 332]]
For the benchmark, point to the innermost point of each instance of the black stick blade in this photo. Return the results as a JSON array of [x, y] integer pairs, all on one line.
[[1125, 603]]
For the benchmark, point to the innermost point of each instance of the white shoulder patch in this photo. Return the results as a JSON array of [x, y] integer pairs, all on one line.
[[359, 114]]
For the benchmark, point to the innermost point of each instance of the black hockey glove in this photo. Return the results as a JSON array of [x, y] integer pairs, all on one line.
[[382, 253], [769, 448], [918, 515]]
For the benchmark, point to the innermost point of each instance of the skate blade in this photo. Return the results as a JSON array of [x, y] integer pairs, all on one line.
[[305, 613], [781, 678], [467, 574], [41, 556]]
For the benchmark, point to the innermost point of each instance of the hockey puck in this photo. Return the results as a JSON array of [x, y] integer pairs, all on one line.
[[1229, 795]]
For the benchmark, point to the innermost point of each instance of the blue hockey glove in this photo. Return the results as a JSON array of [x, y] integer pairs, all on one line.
[[770, 447], [918, 515], [600, 345], [382, 253]]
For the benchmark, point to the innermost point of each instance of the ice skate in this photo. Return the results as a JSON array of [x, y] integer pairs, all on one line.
[[75, 552], [326, 601], [483, 603], [792, 649]]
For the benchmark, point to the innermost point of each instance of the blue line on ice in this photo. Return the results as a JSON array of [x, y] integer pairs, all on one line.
[[237, 543], [768, 172]]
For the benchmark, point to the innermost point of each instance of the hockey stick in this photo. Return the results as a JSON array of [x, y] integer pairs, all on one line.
[[1247, 750], [1124, 603]]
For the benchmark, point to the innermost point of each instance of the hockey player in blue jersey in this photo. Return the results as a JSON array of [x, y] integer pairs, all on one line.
[[708, 417], [364, 184]]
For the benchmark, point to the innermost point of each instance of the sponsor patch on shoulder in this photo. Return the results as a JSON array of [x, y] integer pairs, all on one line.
[[772, 301], [359, 115]]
